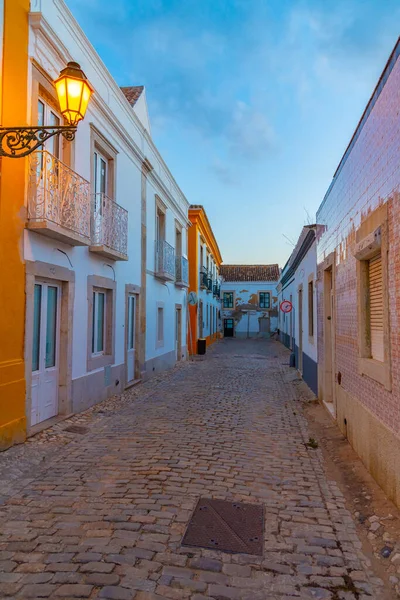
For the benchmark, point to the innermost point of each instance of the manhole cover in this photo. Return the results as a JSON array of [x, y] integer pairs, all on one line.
[[76, 429], [228, 526]]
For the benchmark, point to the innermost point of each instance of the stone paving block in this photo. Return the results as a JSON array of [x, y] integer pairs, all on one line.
[[72, 590], [39, 590], [116, 593]]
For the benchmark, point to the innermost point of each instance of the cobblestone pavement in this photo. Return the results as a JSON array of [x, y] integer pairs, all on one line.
[[102, 515]]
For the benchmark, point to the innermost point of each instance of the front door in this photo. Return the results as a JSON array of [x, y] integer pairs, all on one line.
[[131, 346], [329, 340], [178, 333], [228, 327], [45, 351], [200, 319], [300, 345]]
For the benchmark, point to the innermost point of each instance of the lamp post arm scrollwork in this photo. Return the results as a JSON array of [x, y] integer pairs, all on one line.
[[17, 142]]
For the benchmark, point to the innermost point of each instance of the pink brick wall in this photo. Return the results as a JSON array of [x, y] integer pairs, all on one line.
[[369, 176]]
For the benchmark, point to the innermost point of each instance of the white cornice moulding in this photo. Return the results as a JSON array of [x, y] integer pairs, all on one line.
[[39, 23]]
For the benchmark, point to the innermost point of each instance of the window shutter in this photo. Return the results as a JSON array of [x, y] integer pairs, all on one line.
[[376, 307]]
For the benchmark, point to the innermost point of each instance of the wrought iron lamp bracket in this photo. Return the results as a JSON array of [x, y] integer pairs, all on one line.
[[17, 142]]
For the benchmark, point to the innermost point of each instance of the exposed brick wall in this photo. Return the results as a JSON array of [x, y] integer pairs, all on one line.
[[369, 176]]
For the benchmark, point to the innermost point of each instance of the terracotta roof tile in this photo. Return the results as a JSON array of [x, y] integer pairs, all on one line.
[[250, 272], [132, 93]]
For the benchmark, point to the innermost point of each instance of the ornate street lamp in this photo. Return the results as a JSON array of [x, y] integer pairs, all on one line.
[[73, 91]]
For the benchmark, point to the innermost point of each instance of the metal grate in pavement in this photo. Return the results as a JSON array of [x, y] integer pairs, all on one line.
[[233, 527]]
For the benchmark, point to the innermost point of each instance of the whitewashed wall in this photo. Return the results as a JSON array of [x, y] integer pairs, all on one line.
[[56, 38], [245, 297]]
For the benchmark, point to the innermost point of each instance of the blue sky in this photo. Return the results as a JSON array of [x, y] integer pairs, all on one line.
[[252, 102]]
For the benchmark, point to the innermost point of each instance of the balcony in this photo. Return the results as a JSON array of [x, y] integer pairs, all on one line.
[[165, 261], [203, 278], [216, 290], [58, 200], [209, 284], [109, 228], [181, 271]]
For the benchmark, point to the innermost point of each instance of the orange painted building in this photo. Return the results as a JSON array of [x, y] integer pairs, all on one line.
[[204, 280], [13, 112]]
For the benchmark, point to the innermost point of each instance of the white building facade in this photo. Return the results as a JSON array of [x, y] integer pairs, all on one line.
[[298, 328], [249, 301], [105, 238]]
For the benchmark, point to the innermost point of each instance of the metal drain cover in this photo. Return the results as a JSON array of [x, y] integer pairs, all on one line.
[[76, 429], [232, 527]]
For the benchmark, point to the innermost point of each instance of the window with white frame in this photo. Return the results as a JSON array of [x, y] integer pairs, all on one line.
[[99, 322], [264, 299]]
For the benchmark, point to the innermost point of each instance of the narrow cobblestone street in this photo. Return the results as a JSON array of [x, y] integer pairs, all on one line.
[[101, 514]]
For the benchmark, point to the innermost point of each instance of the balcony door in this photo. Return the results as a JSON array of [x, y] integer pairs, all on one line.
[[100, 177], [45, 351], [131, 337], [48, 116]]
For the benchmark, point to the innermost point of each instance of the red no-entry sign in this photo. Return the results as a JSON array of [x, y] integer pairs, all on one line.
[[286, 306]]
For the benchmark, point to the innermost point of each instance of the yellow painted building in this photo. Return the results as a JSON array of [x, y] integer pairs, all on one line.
[[204, 279], [14, 112]]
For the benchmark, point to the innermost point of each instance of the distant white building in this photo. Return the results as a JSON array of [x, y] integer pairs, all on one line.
[[105, 242], [249, 302], [298, 328]]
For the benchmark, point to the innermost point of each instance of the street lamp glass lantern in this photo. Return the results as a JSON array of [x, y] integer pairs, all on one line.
[[73, 91]]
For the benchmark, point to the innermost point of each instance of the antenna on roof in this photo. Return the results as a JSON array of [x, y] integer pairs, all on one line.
[[291, 242]]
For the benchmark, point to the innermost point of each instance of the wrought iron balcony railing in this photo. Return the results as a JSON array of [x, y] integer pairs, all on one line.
[[181, 271], [165, 260], [203, 278], [58, 200], [209, 283], [109, 228], [216, 290]]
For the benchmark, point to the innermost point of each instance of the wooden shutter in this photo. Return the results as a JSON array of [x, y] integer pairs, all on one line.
[[376, 307]]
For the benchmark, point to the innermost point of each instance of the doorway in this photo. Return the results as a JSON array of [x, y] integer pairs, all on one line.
[[178, 332], [228, 327], [45, 351], [329, 340], [200, 319], [300, 323], [131, 339]]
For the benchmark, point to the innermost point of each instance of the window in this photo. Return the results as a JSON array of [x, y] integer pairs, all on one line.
[[103, 170], [228, 299], [376, 307], [100, 167], [311, 308], [48, 116], [160, 225], [160, 325], [371, 252], [178, 242], [264, 300], [207, 312], [101, 322], [98, 322]]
